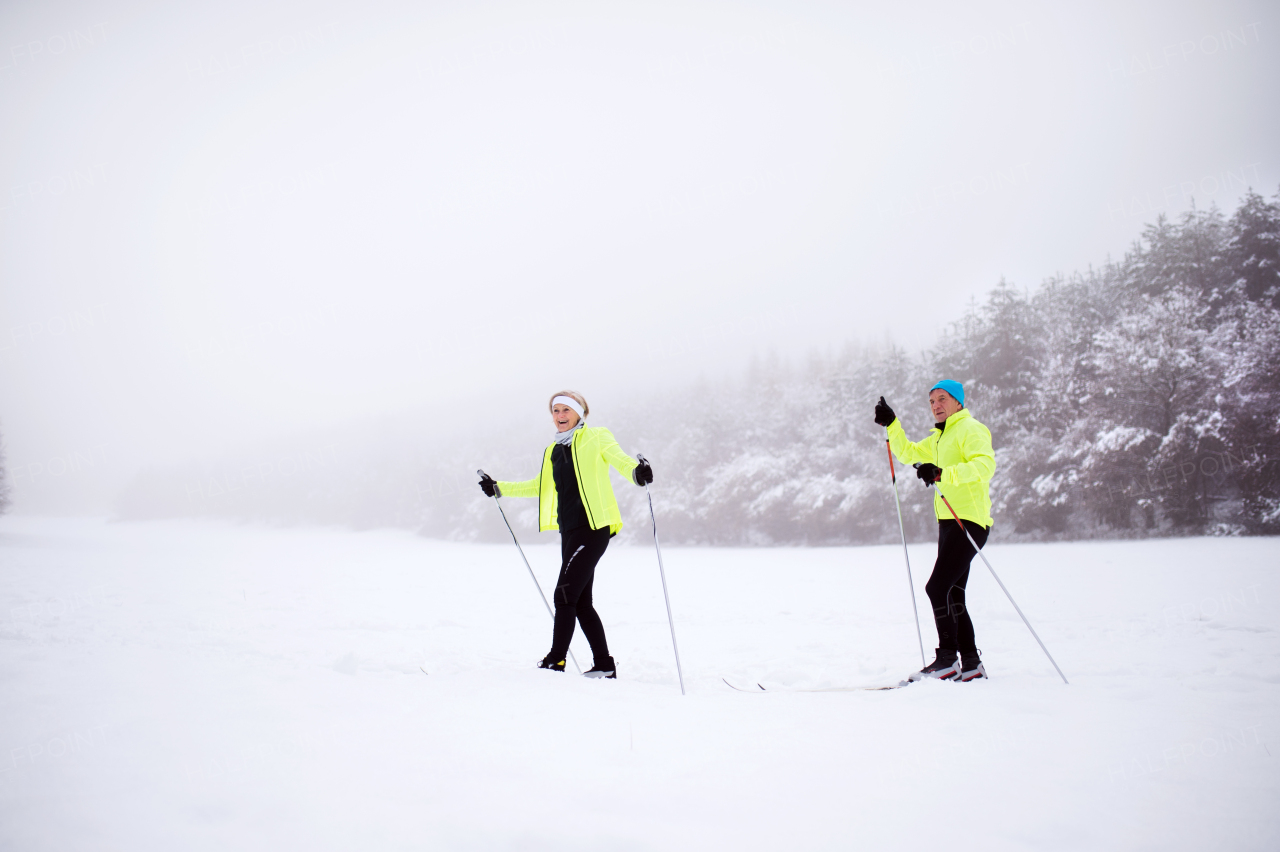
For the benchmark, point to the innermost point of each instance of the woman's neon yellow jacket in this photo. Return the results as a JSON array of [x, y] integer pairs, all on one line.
[[963, 451], [594, 449]]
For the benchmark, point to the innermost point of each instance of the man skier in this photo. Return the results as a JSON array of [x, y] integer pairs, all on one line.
[[957, 457]]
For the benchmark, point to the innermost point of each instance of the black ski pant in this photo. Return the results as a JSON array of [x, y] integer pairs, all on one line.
[[946, 585], [580, 550]]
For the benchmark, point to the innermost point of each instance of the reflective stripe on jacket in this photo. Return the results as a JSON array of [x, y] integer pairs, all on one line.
[[963, 451], [594, 450]]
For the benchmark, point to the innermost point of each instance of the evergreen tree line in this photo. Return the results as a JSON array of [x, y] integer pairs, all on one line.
[[1141, 398]]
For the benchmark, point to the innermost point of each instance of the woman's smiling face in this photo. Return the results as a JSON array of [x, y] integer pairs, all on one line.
[[564, 417]]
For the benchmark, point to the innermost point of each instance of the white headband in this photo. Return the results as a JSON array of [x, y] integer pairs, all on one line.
[[569, 401]]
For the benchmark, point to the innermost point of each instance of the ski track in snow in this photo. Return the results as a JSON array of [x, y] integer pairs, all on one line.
[[194, 686]]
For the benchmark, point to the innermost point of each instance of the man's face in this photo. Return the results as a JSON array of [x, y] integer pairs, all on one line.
[[942, 404]]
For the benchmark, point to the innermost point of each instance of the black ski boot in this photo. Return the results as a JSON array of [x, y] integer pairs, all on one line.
[[971, 668], [602, 668], [944, 667], [550, 662]]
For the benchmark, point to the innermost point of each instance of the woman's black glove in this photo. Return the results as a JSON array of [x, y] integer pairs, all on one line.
[[884, 414], [489, 486], [928, 473], [643, 474]]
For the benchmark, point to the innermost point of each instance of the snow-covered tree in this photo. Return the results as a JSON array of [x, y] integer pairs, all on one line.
[[1254, 249], [1249, 400]]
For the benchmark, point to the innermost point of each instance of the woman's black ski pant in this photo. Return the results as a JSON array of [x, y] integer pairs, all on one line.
[[580, 550]]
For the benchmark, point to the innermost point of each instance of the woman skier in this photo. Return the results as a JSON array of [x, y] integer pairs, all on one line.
[[576, 497], [958, 457]]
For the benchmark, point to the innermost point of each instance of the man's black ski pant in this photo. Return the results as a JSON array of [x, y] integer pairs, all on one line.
[[947, 583]]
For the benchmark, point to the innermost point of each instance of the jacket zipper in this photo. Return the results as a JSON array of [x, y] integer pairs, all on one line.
[[937, 460], [582, 495], [545, 458]]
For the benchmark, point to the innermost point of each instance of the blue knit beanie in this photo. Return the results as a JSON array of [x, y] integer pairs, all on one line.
[[952, 387]]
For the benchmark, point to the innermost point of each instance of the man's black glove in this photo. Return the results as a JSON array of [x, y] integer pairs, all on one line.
[[928, 473], [643, 474], [489, 486], [884, 414]]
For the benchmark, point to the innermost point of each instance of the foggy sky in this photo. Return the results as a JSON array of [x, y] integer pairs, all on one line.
[[227, 222]]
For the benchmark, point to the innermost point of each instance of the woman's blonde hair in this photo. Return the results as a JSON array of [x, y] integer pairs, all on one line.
[[586, 409]]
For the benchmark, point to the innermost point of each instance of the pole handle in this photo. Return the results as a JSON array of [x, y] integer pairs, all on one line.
[[927, 484]]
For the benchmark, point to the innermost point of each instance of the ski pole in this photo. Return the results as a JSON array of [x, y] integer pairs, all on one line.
[[670, 621], [1002, 588], [893, 478], [532, 576]]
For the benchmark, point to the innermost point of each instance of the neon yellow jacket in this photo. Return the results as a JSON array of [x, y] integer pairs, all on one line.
[[594, 449], [963, 451]]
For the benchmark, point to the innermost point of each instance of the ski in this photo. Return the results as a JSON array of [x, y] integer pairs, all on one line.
[[856, 688], [759, 688], [740, 689]]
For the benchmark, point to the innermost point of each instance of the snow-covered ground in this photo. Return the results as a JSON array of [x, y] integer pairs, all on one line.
[[184, 686]]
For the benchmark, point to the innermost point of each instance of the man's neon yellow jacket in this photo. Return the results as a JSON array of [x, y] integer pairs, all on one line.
[[963, 450], [594, 449]]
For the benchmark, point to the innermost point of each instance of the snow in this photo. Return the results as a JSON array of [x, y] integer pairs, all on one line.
[[193, 686]]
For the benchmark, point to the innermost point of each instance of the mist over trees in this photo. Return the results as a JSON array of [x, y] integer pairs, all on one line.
[[1140, 398]]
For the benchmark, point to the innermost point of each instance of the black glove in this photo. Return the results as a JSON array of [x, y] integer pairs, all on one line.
[[643, 474], [489, 486], [928, 473], [884, 414]]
